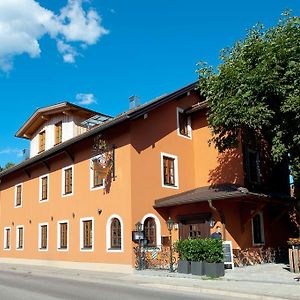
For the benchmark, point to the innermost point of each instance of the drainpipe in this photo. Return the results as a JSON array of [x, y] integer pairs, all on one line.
[[222, 217]]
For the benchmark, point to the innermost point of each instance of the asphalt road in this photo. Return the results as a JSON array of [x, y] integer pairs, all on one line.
[[17, 286]]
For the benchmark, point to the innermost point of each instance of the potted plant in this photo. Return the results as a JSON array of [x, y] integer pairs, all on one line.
[[183, 248], [197, 257], [214, 254]]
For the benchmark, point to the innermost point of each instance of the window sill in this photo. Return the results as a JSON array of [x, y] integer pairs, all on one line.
[[67, 194], [44, 200], [169, 186], [85, 249], [64, 249], [189, 137], [6, 249], [43, 249], [114, 249], [17, 206], [20, 249]]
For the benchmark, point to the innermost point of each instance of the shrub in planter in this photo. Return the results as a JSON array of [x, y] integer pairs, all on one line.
[[197, 257], [214, 265], [183, 248]]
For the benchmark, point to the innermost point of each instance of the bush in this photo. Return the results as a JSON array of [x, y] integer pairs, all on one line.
[[209, 250], [213, 250], [183, 248]]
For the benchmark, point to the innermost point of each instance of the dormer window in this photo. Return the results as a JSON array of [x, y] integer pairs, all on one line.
[[58, 133], [42, 136]]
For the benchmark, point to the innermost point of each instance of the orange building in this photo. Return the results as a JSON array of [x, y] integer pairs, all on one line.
[[58, 209]]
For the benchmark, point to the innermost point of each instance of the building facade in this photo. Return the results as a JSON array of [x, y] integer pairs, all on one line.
[[56, 207]]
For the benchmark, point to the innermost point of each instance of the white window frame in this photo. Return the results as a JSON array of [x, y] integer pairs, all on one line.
[[40, 237], [40, 188], [63, 192], [158, 229], [15, 204], [108, 234], [262, 230], [81, 234], [92, 188], [189, 124], [5, 240], [17, 237], [58, 235], [176, 186]]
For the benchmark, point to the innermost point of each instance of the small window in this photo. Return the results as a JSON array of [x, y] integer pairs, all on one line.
[[67, 181], [253, 170], [258, 229], [62, 235], [42, 139], [86, 232], [150, 232], [169, 170], [44, 188], [7, 238], [18, 195], [183, 123], [115, 234], [20, 237], [58, 133], [43, 236]]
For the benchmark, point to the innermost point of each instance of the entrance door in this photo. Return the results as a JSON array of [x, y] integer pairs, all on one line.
[[194, 230]]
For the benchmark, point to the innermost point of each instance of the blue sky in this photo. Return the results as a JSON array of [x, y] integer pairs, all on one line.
[[146, 48]]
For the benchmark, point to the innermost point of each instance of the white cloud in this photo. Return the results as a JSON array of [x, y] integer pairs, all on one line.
[[11, 151], [24, 22], [85, 99]]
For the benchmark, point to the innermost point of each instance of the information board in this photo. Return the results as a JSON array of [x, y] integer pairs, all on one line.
[[228, 255]]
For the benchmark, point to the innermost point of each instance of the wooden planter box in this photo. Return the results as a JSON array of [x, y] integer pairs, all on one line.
[[184, 266], [294, 260], [214, 269], [197, 268]]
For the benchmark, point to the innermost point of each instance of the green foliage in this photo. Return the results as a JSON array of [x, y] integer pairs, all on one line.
[[213, 250], [184, 249], [210, 250], [7, 166], [256, 89]]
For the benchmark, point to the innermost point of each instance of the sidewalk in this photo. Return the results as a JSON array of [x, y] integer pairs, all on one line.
[[269, 281]]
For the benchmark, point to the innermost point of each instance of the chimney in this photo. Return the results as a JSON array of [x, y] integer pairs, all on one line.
[[134, 101]]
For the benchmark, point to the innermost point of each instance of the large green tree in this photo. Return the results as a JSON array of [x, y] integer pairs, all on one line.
[[256, 88]]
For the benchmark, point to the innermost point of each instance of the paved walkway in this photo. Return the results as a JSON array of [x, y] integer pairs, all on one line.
[[269, 281]]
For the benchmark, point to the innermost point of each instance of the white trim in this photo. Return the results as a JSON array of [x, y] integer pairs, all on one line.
[[260, 214], [92, 188], [158, 228], [108, 234], [58, 236], [81, 234], [40, 188], [5, 240], [176, 177], [63, 194], [15, 204], [40, 237], [17, 237], [181, 110]]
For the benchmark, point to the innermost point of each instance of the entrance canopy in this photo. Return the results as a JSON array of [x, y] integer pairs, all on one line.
[[206, 193]]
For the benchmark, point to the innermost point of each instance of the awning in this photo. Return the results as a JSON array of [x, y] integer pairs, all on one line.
[[201, 194]]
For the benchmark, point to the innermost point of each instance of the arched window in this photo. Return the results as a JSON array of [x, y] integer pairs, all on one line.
[[115, 234], [150, 232]]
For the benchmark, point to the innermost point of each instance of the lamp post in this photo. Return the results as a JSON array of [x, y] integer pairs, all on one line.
[[139, 229], [170, 225]]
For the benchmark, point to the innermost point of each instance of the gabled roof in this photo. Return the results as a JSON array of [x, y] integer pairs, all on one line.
[[41, 115], [128, 115]]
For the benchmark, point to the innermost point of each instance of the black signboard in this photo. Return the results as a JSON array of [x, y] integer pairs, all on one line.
[[228, 255]]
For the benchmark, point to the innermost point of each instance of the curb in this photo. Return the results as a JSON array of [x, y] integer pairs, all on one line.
[[218, 292]]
